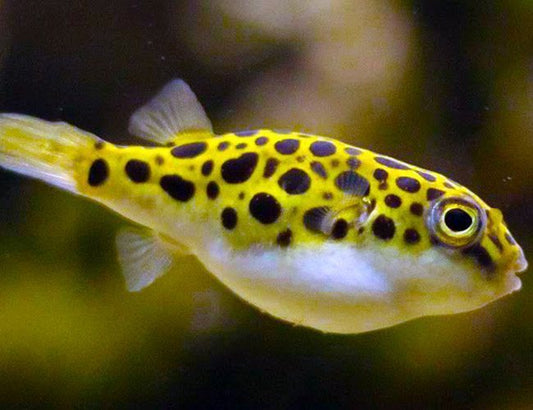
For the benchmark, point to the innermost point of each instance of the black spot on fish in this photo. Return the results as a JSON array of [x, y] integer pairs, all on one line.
[[98, 173], [353, 163], [177, 187], [229, 218], [190, 150], [212, 190], [322, 148], [284, 238], [319, 169], [383, 227], [270, 167], [238, 170], [265, 208], [433, 193], [159, 160], [287, 146], [393, 201], [448, 184], [494, 239], [411, 236], [242, 145], [427, 176], [416, 208], [390, 163], [223, 146], [352, 151], [481, 255], [261, 141], [381, 175], [408, 184], [137, 171], [207, 167], [295, 181], [510, 239]]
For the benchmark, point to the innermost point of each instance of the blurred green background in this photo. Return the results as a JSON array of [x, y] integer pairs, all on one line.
[[447, 85]]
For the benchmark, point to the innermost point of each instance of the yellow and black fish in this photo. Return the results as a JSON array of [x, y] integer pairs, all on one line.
[[309, 229]]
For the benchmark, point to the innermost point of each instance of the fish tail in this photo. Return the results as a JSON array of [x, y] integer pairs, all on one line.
[[48, 151]]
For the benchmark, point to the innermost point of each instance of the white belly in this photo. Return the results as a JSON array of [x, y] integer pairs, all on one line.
[[343, 289], [330, 289]]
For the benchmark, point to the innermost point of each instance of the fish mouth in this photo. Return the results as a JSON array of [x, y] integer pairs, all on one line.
[[520, 264], [513, 282]]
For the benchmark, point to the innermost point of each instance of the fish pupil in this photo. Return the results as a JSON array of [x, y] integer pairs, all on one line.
[[457, 220]]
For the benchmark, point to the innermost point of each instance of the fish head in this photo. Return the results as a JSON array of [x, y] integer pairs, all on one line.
[[440, 248], [468, 229]]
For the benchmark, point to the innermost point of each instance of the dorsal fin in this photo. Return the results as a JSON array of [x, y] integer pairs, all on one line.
[[175, 109]]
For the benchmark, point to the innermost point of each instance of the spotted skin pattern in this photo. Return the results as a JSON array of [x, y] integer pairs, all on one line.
[[306, 228], [284, 176]]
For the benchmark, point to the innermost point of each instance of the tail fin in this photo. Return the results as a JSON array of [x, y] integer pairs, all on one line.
[[41, 149]]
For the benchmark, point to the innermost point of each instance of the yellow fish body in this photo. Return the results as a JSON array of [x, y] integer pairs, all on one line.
[[309, 229]]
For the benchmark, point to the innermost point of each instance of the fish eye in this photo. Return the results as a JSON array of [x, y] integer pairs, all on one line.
[[456, 222]]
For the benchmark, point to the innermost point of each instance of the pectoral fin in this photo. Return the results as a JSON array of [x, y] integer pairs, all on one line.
[[144, 256], [172, 111], [353, 206]]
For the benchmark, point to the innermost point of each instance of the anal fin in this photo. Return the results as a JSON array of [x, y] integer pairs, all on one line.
[[144, 256]]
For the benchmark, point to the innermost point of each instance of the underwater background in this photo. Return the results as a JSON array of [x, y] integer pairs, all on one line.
[[446, 85]]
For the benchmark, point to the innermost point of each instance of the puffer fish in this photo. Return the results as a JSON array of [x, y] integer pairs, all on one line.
[[309, 229]]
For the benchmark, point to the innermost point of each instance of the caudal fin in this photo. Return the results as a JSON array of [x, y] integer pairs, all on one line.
[[40, 149]]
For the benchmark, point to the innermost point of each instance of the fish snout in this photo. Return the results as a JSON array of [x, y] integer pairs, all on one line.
[[519, 263]]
